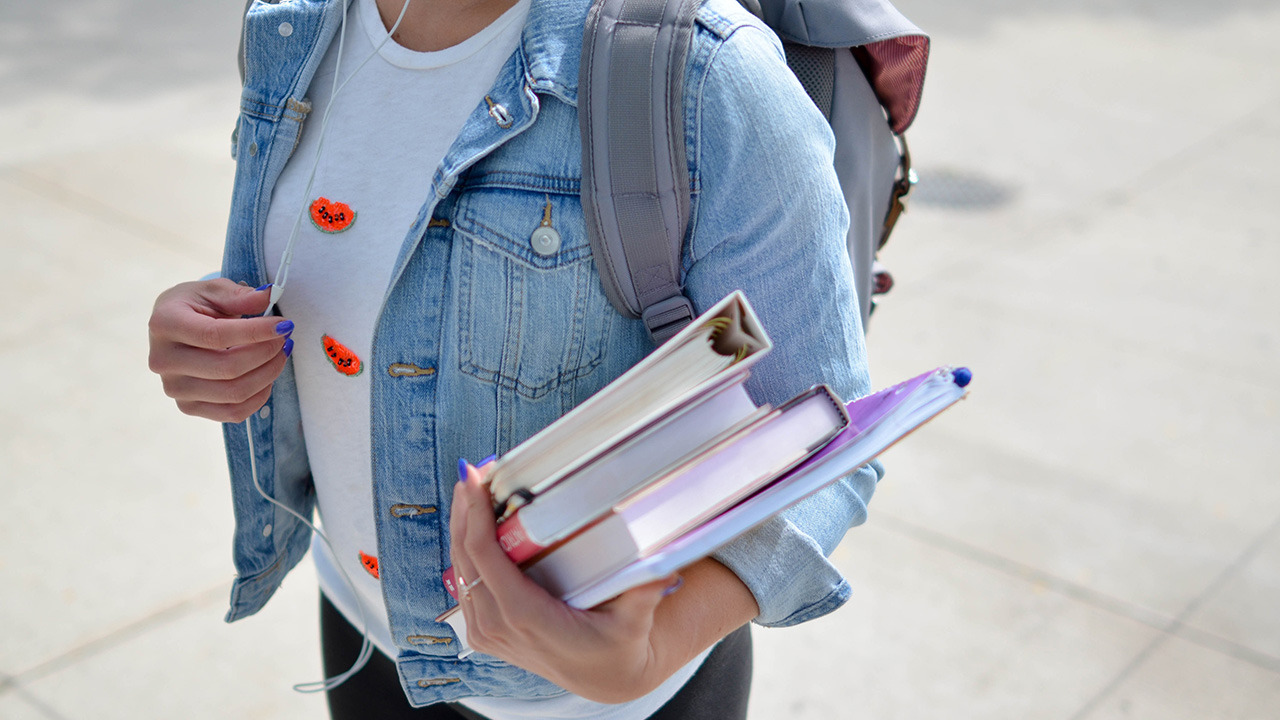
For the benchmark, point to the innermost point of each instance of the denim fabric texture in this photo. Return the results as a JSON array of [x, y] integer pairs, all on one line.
[[516, 338]]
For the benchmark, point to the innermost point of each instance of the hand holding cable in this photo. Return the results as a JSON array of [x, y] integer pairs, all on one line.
[[213, 361]]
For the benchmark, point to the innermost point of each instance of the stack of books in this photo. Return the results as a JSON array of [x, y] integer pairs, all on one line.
[[674, 459]]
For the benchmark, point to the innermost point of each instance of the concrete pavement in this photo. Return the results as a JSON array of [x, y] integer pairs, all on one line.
[[1094, 534]]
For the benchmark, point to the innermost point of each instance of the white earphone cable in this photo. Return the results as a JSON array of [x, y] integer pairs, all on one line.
[[277, 289], [286, 259]]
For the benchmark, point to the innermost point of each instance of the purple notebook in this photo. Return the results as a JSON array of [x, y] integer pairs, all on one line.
[[877, 421]]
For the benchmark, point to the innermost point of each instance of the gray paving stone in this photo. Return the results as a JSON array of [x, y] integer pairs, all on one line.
[[90, 74], [1121, 428], [931, 635], [1115, 498], [1182, 681], [1246, 610], [170, 194], [197, 667], [1068, 103], [65, 263], [122, 506], [13, 706], [1157, 270]]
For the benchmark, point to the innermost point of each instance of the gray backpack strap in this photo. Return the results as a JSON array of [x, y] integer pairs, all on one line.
[[635, 177]]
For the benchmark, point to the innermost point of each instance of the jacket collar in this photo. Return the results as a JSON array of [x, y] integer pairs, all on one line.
[[552, 46]]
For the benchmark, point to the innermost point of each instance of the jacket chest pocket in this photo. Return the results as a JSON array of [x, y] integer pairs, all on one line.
[[532, 315]]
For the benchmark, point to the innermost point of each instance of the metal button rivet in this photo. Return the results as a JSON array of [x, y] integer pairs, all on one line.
[[499, 113], [545, 238], [545, 241], [266, 530], [286, 29], [265, 412], [253, 148]]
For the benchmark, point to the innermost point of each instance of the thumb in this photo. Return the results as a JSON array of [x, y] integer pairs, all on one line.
[[228, 299]]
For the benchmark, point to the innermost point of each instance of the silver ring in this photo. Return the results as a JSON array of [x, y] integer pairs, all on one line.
[[464, 587]]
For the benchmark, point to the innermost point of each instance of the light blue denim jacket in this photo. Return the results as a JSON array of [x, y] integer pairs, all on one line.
[[505, 340]]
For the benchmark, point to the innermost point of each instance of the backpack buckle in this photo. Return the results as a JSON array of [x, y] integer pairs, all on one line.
[[906, 180], [668, 317]]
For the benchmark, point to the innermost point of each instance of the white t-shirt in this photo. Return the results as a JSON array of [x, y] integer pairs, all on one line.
[[389, 130]]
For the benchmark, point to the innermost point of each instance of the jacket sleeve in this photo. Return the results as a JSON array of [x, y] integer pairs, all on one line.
[[769, 219]]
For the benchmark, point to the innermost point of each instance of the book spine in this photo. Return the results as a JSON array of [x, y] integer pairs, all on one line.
[[515, 543], [515, 540]]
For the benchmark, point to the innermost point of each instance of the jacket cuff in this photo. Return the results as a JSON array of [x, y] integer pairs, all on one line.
[[785, 570], [784, 561]]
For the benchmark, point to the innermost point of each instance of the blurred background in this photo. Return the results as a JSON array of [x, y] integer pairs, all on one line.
[[1094, 534]]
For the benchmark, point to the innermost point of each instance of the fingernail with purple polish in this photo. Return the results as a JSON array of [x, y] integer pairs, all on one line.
[[260, 289], [462, 470], [288, 347], [668, 590], [284, 327], [487, 460]]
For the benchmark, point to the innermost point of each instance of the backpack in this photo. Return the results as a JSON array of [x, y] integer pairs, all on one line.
[[635, 187]]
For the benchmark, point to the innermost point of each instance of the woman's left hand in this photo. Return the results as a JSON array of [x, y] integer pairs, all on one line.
[[605, 654]]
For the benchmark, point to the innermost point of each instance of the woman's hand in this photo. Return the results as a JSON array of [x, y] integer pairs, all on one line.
[[215, 363], [605, 654]]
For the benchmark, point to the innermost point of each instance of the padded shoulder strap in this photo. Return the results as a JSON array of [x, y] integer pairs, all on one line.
[[635, 177]]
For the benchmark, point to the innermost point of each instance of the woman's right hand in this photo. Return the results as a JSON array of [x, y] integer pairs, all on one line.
[[214, 362]]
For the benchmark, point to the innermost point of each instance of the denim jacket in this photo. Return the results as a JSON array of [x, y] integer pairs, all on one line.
[[482, 340]]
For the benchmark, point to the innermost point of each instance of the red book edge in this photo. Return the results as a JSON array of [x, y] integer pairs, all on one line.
[[450, 582], [515, 543]]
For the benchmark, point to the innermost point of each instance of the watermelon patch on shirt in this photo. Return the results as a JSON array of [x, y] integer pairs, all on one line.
[[331, 217], [370, 563], [341, 357]]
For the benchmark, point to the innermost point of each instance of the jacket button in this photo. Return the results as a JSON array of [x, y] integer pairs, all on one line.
[[400, 510], [401, 369], [545, 240], [433, 682], [285, 29], [428, 640], [253, 148], [266, 530], [265, 412]]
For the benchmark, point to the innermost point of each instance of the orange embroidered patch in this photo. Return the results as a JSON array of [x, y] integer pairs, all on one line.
[[370, 563], [344, 361], [331, 217]]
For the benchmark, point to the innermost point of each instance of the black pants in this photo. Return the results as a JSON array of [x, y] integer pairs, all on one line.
[[718, 691]]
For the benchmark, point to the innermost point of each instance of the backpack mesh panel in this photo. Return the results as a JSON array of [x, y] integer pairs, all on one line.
[[816, 69]]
